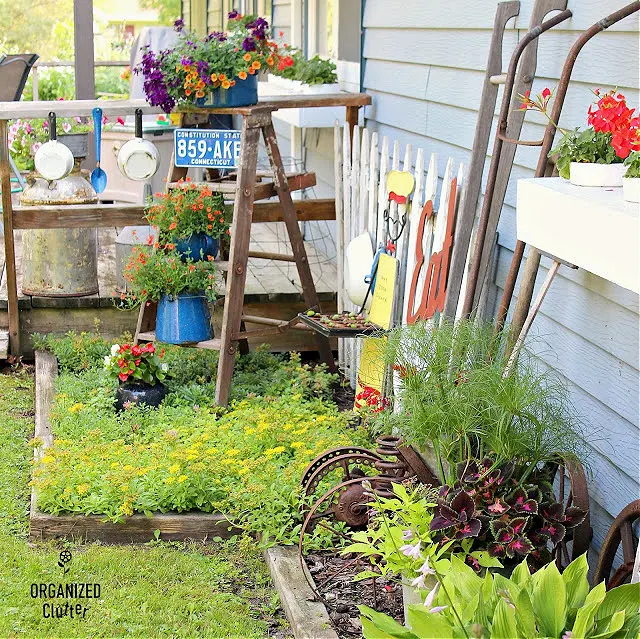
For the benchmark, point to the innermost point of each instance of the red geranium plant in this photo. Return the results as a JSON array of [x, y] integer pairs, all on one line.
[[136, 363], [613, 131]]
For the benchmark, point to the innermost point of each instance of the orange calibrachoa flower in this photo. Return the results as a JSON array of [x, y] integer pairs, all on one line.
[[186, 210], [242, 75]]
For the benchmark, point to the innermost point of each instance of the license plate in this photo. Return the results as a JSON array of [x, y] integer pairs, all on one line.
[[210, 148]]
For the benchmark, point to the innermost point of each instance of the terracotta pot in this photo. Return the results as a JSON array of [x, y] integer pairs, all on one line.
[[592, 174], [631, 189]]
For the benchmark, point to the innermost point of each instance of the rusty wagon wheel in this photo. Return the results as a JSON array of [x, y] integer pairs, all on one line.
[[347, 503], [351, 462], [620, 533], [576, 494]]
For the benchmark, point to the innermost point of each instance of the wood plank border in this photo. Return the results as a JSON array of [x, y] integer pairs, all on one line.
[[307, 616], [109, 215], [135, 529]]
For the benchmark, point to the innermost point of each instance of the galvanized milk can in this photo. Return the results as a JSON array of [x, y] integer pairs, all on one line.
[[60, 262]]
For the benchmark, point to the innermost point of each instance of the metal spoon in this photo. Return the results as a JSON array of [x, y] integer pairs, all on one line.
[[98, 176]]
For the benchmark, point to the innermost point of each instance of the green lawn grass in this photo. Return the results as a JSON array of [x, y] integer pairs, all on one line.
[[156, 590]]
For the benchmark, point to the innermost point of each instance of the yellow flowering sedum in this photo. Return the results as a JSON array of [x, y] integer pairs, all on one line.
[[249, 468]]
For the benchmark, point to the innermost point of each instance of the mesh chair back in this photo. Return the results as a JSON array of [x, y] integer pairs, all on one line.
[[14, 71]]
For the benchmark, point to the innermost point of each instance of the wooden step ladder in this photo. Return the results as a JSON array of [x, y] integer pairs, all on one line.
[[248, 187]]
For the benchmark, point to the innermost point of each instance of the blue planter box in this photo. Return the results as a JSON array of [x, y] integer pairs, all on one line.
[[243, 93], [184, 319]]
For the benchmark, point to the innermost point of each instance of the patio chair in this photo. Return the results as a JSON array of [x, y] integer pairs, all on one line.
[[14, 71]]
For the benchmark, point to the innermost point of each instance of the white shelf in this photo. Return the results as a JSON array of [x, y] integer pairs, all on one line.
[[312, 117], [590, 227]]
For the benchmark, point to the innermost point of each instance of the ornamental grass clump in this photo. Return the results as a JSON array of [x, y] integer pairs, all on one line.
[[455, 398], [195, 65]]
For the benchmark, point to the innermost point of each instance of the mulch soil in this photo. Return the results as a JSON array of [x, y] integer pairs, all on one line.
[[334, 579]]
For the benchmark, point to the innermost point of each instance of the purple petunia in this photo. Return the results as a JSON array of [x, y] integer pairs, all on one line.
[[178, 25], [184, 61], [249, 44], [155, 86], [216, 35], [233, 15]]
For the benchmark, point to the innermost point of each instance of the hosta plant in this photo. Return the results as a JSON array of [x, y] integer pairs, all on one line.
[[399, 541], [525, 606], [488, 509]]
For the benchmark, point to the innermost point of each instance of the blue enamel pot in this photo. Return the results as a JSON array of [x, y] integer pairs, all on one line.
[[242, 93], [198, 247], [183, 319]]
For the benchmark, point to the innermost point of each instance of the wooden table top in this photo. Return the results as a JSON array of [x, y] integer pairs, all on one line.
[[114, 108]]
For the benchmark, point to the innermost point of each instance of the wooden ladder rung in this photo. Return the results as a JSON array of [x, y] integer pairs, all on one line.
[[281, 257], [210, 344], [267, 321], [262, 190]]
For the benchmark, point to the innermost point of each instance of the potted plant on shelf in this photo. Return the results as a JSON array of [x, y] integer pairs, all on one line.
[[219, 70], [181, 286], [595, 155], [314, 76], [140, 372], [631, 180], [192, 218]]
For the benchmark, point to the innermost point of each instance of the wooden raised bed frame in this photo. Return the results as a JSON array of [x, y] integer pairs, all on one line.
[[134, 529]]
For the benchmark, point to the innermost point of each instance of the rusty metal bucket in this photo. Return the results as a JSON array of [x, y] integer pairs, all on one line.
[[60, 262]]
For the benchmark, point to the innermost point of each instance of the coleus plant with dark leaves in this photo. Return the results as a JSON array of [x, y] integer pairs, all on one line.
[[489, 509]]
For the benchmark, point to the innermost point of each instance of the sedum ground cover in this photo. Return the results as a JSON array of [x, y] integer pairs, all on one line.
[[245, 462], [159, 589]]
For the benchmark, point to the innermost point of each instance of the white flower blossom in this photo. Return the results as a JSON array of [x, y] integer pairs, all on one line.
[[407, 534], [115, 348], [412, 551], [428, 602], [425, 569], [418, 582], [107, 361], [165, 367]]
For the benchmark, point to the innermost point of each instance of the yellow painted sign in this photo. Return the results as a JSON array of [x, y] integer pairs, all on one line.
[[371, 370], [384, 294]]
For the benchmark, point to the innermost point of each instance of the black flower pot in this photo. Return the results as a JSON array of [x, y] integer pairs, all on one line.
[[140, 393]]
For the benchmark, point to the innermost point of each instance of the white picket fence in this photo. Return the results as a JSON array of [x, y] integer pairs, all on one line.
[[361, 168]]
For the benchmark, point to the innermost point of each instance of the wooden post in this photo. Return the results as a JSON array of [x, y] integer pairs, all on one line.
[[352, 118], [83, 47], [295, 237], [238, 254], [9, 247]]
